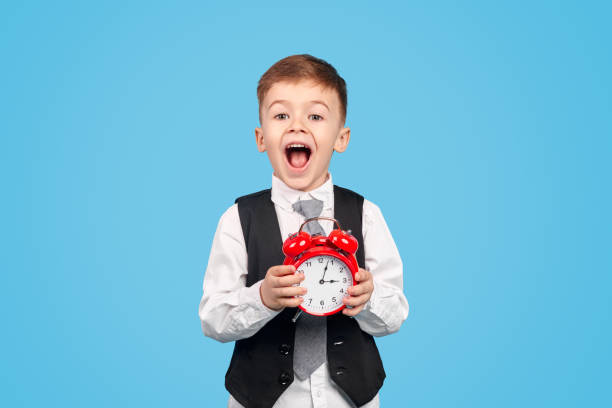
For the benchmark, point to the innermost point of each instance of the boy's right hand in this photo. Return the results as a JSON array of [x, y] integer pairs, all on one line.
[[277, 290]]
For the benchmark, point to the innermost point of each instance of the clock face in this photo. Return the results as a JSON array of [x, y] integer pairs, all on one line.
[[327, 279]]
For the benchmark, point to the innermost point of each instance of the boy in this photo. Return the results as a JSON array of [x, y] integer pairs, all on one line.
[[251, 298]]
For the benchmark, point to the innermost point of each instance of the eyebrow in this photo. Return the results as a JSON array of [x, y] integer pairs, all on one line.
[[285, 101]]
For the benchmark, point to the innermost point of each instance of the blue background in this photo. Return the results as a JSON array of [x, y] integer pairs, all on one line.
[[482, 130]]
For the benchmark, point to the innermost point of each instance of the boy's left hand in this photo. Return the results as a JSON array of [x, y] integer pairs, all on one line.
[[360, 293]]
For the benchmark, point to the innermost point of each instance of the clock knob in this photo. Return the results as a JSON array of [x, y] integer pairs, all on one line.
[[343, 240], [296, 244]]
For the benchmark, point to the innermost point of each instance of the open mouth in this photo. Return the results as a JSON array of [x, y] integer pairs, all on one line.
[[297, 155]]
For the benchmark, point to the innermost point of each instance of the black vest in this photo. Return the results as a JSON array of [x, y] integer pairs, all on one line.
[[261, 368]]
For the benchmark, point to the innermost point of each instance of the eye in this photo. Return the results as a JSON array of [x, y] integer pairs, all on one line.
[[316, 117], [281, 116]]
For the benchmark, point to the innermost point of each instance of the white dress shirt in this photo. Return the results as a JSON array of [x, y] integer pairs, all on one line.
[[230, 311]]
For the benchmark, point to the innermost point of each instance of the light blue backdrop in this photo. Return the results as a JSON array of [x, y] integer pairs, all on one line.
[[482, 130]]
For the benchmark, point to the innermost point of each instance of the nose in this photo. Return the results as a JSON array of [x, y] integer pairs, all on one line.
[[296, 126]]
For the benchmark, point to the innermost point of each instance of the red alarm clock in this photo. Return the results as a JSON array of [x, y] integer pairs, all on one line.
[[328, 264]]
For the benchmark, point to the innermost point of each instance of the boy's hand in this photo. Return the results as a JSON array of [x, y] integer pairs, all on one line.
[[360, 293], [277, 290]]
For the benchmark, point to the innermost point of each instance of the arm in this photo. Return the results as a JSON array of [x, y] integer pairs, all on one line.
[[387, 307], [229, 310]]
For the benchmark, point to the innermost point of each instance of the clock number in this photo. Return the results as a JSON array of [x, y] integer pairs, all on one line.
[[309, 301], [308, 263], [343, 280], [300, 271], [334, 299], [341, 290], [322, 302], [320, 259]]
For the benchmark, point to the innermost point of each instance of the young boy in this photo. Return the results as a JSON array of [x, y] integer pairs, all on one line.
[[251, 298]]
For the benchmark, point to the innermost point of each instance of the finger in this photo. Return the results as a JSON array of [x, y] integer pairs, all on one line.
[[290, 302], [289, 291], [274, 273], [289, 280], [363, 275], [352, 312], [356, 300], [360, 289], [281, 270]]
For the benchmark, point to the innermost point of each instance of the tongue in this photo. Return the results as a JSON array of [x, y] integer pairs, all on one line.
[[298, 158]]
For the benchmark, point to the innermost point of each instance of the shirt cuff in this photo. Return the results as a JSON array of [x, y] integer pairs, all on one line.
[[374, 317], [256, 311], [368, 306]]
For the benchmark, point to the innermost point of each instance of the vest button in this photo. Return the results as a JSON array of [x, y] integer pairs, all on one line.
[[340, 371], [284, 349], [284, 378], [338, 341]]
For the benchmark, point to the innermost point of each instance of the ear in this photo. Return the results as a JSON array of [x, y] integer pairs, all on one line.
[[259, 139], [342, 140]]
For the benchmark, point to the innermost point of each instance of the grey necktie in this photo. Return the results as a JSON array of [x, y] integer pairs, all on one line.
[[310, 348]]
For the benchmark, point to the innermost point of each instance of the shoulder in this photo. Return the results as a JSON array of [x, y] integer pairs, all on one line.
[[371, 212], [229, 217], [347, 201], [228, 227], [249, 205], [372, 215], [253, 197], [346, 192]]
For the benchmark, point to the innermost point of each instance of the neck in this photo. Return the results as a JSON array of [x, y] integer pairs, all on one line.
[[313, 186]]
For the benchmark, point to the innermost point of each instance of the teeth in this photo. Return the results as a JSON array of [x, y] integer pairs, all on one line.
[[295, 145]]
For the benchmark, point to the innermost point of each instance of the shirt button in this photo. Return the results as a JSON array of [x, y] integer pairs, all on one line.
[[319, 393], [284, 378], [340, 371], [284, 349], [338, 341]]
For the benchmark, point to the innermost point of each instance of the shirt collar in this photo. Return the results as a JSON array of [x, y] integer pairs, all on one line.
[[284, 196]]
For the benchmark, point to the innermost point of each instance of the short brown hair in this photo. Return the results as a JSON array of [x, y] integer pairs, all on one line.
[[299, 67]]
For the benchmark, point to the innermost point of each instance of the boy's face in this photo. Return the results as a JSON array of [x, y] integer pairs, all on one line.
[[301, 126]]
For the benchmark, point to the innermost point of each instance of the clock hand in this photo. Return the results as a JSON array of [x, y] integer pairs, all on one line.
[[331, 281], [322, 281]]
